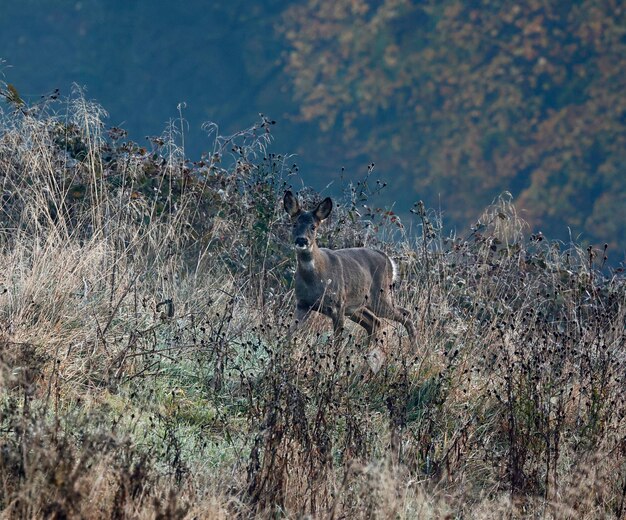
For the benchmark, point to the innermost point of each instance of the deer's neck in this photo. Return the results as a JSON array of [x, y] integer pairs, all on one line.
[[310, 263]]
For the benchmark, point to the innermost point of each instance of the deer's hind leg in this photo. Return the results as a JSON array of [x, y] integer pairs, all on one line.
[[367, 319], [401, 315], [371, 323]]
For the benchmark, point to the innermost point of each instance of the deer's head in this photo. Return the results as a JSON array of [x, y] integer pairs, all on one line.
[[305, 223]]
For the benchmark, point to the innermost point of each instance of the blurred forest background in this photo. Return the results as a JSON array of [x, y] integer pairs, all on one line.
[[454, 101]]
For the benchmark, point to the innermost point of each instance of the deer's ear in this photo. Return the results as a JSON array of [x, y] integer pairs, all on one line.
[[292, 206], [323, 208]]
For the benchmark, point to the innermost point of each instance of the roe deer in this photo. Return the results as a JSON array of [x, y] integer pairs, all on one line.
[[355, 282]]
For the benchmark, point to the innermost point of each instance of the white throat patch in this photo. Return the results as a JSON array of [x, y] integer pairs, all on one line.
[[308, 265]]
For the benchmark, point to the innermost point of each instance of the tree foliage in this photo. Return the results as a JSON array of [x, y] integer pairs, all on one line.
[[467, 99]]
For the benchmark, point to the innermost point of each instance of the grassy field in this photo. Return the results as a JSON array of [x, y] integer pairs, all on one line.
[[145, 370]]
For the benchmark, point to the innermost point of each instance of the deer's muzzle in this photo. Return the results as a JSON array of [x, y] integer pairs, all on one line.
[[302, 242]]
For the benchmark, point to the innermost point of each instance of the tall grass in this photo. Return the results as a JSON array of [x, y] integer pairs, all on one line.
[[145, 370]]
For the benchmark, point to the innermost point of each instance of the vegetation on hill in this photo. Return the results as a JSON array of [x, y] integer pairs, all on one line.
[[467, 99], [144, 370], [455, 101]]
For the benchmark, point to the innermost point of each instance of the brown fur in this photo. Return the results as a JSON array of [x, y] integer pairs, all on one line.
[[355, 282]]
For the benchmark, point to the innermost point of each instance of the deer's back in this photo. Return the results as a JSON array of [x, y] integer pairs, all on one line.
[[360, 272]]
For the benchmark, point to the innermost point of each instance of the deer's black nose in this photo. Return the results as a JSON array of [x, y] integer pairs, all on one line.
[[302, 242]]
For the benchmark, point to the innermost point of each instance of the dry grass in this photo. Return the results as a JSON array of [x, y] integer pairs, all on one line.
[[145, 374]]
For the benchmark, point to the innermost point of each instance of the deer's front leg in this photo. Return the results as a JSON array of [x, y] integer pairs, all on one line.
[[301, 316], [337, 314]]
